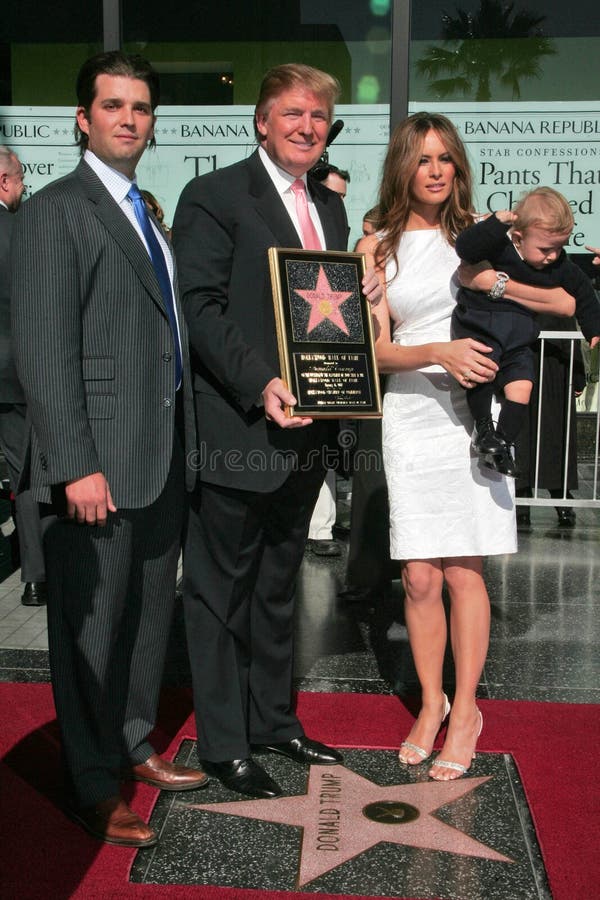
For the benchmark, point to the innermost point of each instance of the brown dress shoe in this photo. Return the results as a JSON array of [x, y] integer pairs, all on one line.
[[168, 776], [113, 822]]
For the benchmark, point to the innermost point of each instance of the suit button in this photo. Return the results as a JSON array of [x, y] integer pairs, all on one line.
[[167, 357], [167, 402]]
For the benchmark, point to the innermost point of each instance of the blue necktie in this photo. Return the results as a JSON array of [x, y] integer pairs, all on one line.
[[160, 267]]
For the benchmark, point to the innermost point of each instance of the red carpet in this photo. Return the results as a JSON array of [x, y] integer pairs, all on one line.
[[42, 854]]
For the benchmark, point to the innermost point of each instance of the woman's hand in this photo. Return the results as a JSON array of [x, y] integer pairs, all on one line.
[[506, 216], [596, 252], [372, 287], [465, 360]]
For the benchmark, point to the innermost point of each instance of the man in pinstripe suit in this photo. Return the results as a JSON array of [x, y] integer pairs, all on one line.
[[100, 346]]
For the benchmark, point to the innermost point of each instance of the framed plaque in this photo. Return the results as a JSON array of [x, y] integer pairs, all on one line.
[[325, 333]]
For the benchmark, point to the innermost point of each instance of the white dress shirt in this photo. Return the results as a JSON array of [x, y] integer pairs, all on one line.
[[283, 182], [118, 186]]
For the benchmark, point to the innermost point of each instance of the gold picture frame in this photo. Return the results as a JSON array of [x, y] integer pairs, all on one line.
[[325, 333]]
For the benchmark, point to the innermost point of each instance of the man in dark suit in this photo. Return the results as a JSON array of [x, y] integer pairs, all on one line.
[[12, 399], [260, 471], [100, 346]]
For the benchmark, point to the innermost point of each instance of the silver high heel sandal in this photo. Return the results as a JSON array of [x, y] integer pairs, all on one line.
[[422, 754], [456, 767]]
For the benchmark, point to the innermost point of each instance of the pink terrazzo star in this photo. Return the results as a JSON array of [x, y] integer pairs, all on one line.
[[325, 303], [343, 814]]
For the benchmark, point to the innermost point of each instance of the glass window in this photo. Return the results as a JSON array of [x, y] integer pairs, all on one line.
[[208, 61], [489, 50], [211, 59], [521, 82], [211, 73], [42, 45]]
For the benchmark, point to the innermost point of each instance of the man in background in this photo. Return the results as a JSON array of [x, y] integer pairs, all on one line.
[[12, 400], [336, 180], [320, 533]]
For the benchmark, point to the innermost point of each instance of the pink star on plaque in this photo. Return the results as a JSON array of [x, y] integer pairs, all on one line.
[[325, 303], [343, 814]]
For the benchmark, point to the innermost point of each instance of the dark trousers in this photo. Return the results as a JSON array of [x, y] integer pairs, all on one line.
[[29, 528], [110, 603], [369, 565], [242, 555]]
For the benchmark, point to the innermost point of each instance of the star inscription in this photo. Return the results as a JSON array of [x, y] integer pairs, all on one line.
[[325, 303], [343, 814]]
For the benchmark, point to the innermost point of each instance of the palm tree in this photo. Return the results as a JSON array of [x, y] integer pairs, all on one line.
[[494, 42]]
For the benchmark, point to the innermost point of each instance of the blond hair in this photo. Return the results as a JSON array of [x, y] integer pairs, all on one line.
[[295, 75], [543, 207]]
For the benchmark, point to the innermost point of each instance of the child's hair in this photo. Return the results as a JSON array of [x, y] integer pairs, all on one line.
[[544, 208]]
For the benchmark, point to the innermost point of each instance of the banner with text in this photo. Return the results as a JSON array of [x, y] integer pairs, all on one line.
[[513, 147]]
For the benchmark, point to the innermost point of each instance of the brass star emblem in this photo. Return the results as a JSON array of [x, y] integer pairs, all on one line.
[[325, 303]]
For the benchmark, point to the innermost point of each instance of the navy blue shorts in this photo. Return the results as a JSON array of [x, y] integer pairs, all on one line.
[[509, 334]]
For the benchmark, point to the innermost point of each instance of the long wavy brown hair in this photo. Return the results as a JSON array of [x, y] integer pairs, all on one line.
[[400, 166]]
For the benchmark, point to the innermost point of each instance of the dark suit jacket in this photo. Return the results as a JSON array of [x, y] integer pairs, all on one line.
[[101, 393], [224, 224], [10, 388]]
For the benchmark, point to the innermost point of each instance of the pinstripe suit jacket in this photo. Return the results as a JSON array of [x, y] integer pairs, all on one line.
[[224, 224], [93, 345], [10, 389]]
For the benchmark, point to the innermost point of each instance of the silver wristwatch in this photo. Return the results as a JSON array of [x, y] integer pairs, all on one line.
[[496, 292]]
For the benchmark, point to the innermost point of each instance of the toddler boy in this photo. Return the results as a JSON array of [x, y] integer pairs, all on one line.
[[525, 245]]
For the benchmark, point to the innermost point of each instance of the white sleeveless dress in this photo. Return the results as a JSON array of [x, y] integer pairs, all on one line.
[[443, 502]]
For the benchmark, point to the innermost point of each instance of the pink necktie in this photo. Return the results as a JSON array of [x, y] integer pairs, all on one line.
[[310, 238]]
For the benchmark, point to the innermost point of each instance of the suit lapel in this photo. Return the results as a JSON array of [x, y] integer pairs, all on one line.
[[122, 231], [270, 206], [334, 228], [5, 228]]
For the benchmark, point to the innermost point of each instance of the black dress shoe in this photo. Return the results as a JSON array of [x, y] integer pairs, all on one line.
[[566, 516], [244, 776], [324, 548], [484, 438], [34, 594], [492, 448], [501, 461], [304, 750]]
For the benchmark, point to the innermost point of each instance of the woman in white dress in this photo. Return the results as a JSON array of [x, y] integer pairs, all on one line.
[[446, 512]]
